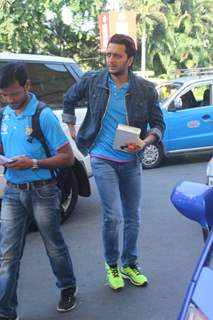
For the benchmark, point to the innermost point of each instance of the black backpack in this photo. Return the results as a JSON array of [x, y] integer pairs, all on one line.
[[63, 175]]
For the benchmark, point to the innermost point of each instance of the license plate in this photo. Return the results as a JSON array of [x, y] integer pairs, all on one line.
[[210, 181], [195, 314]]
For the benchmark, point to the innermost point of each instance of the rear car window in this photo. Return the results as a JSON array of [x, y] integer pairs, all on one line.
[[49, 81]]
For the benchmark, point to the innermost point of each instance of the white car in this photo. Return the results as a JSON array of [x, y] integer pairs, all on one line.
[[51, 76]]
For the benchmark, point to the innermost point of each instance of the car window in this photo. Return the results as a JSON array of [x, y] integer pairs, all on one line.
[[197, 96], [49, 81], [167, 89]]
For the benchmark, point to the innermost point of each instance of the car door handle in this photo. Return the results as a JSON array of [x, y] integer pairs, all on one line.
[[206, 116]]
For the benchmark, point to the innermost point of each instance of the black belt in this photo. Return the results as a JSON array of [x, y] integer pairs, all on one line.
[[30, 185]]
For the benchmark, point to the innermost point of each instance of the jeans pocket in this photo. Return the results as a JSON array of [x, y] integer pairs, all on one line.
[[97, 163], [47, 192]]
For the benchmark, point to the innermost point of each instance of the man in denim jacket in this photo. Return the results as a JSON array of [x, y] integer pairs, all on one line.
[[116, 96]]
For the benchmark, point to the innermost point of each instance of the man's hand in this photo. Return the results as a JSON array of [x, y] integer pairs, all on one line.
[[72, 130], [20, 163], [134, 147], [142, 143]]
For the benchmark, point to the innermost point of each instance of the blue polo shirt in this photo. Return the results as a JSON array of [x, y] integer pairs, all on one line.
[[15, 131], [115, 114]]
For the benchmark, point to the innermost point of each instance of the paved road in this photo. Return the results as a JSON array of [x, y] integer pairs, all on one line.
[[169, 247]]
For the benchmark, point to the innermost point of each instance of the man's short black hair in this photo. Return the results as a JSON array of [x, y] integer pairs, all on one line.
[[11, 73], [127, 41]]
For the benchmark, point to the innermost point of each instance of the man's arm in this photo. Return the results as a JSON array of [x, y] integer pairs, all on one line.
[[63, 158], [71, 98], [1, 149], [72, 130], [62, 154], [156, 122]]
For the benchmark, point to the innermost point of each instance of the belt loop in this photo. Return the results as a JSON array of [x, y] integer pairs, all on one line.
[[28, 185]]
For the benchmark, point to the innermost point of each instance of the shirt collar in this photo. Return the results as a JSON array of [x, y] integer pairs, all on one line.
[[112, 83], [30, 108]]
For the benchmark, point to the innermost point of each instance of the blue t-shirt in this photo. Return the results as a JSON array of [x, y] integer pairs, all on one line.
[[15, 131], [115, 114]]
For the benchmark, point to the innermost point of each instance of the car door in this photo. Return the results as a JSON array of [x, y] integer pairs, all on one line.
[[191, 125]]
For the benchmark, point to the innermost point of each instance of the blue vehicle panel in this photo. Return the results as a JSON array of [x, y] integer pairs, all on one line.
[[187, 129], [204, 292], [195, 201], [187, 105]]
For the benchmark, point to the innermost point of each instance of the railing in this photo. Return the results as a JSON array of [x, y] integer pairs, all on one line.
[[192, 72]]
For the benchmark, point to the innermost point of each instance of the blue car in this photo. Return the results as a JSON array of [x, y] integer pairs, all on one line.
[[195, 201], [187, 105]]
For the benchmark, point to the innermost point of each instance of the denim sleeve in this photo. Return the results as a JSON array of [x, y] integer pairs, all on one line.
[[71, 98], [156, 122]]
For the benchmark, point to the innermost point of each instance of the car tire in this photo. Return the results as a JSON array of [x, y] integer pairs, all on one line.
[[69, 203], [152, 156]]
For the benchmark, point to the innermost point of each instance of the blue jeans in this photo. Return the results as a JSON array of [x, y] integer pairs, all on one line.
[[120, 187], [17, 206]]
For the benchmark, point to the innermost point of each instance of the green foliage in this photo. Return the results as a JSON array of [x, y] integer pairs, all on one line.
[[30, 26], [176, 32]]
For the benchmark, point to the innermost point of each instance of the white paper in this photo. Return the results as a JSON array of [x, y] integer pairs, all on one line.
[[125, 135], [4, 160]]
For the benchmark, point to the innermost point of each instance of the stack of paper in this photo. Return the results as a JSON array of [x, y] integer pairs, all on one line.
[[5, 160], [126, 135]]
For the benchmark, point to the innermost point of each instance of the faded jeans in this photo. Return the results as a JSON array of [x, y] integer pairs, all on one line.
[[120, 188], [17, 206]]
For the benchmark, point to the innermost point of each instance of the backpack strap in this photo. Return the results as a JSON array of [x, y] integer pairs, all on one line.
[[1, 116], [36, 128], [38, 134]]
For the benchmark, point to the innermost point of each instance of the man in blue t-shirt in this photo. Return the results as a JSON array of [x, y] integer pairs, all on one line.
[[30, 190], [116, 96]]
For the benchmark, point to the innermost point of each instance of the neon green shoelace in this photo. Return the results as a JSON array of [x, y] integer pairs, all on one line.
[[136, 271], [114, 271]]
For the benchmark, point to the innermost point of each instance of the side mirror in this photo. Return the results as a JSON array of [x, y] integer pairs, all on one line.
[[175, 105], [172, 107], [178, 103], [194, 201]]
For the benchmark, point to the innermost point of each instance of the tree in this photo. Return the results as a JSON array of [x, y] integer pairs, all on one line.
[[30, 26], [177, 32], [21, 26], [189, 22], [173, 34], [149, 14]]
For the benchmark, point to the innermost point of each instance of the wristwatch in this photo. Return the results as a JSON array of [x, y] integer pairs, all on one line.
[[35, 165]]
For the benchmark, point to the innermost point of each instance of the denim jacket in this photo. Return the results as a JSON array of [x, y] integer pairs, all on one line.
[[141, 103]]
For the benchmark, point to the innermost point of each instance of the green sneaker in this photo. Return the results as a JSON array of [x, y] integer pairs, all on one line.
[[134, 274], [114, 277]]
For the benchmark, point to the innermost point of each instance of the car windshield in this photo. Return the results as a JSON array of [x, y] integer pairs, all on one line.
[[165, 90], [49, 81]]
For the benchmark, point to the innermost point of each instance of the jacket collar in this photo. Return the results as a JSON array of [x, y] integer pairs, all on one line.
[[102, 80]]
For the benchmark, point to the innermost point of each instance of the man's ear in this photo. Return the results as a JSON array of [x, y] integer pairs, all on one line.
[[130, 61], [27, 85]]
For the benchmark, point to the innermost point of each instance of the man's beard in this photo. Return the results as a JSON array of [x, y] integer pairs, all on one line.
[[20, 104], [118, 72]]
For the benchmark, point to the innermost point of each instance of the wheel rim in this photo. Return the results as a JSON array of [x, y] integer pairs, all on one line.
[[65, 204], [150, 155]]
